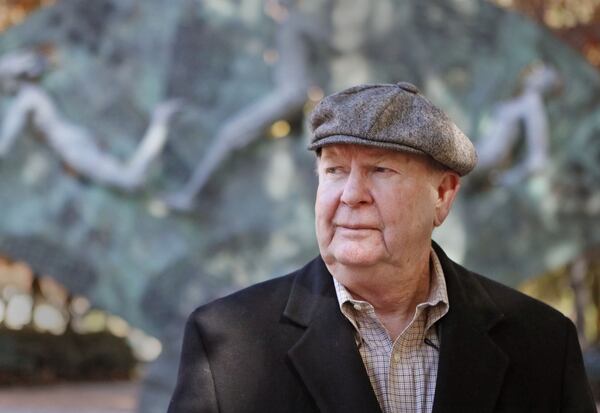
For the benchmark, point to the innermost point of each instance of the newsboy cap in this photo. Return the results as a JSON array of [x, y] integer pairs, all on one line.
[[391, 116]]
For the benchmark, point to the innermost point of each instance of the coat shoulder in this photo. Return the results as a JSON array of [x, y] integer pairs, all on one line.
[[514, 303], [261, 303], [485, 294], [255, 299]]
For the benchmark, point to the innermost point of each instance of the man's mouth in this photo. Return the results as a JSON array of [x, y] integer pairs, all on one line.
[[356, 226]]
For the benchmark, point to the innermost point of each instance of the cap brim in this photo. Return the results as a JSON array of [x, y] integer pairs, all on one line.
[[355, 140]]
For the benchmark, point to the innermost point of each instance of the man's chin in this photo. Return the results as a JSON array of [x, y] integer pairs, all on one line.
[[353, 254], [356, 260]]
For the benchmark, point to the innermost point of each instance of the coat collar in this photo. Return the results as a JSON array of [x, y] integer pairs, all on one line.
[[471, 367], [326, 356]]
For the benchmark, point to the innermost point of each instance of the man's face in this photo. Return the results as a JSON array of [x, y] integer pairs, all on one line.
[[373, 204]]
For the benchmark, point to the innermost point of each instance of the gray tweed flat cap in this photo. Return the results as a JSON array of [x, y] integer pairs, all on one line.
[[391, 116]]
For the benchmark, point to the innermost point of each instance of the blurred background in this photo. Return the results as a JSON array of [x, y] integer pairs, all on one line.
[[153, 157]]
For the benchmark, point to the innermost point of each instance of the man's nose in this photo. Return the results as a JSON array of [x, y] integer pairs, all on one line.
[[356, 190]]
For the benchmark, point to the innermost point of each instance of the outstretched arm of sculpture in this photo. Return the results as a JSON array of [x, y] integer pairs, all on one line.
[[80, 151], [153, 142], [287, 98], [77, 147], [15, 119], [243, 128]]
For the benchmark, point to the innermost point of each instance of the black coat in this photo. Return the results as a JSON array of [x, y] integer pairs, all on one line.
[[284, 346]]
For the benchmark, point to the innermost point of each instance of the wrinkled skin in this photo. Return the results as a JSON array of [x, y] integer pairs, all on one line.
[[375, 212]]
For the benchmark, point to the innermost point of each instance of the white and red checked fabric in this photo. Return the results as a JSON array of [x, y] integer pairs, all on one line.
[[402, 372]]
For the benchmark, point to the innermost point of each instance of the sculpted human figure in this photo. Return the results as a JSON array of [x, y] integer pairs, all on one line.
[[381, 320], [527, 109], [287, 98], [32, 105]]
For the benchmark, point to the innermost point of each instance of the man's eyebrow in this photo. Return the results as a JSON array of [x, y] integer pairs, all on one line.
[[331, 155], [382, 157]]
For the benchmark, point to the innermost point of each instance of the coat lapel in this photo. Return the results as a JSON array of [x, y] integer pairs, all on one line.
[[471, 366], [326, 357]]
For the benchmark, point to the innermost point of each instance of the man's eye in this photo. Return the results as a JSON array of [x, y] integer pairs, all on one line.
[[332, 169], [381, 169]]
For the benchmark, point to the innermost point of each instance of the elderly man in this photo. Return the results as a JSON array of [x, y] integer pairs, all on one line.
[[382, 320]]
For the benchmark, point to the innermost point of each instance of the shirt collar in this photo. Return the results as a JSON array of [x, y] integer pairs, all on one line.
[[437, 299]]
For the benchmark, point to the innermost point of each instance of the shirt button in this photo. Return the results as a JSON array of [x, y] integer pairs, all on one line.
[[356, 306], [396, 357]]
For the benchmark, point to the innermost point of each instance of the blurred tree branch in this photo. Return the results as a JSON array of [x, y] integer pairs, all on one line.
[[577, 22]]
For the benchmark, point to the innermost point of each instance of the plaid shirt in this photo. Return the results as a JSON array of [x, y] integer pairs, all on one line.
[[403, 372]]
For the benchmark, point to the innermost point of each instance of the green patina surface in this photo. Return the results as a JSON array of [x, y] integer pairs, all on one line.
[[118, 59]]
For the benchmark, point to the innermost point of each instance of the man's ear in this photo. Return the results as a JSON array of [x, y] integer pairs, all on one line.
[[447, 188]]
